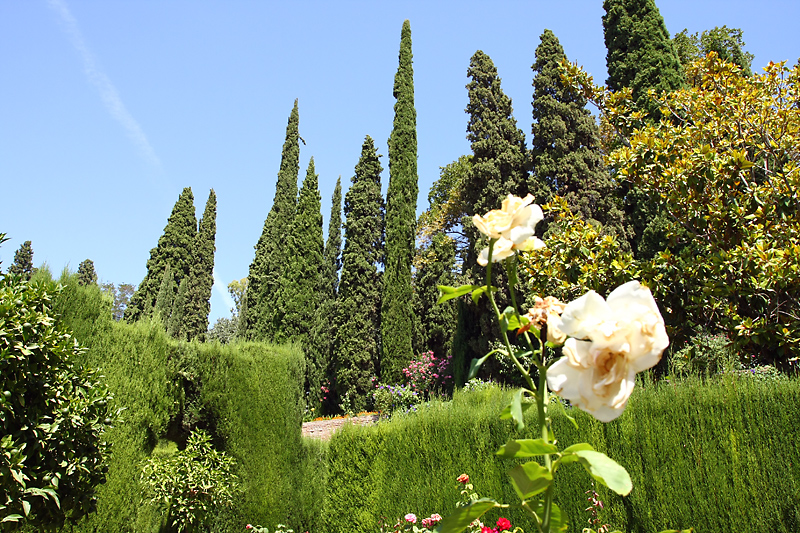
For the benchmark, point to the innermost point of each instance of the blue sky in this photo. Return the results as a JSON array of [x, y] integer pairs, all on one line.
[[109, 108]]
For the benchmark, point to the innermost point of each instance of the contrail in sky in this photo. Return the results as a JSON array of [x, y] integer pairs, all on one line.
[[220, 286], [104, 86]]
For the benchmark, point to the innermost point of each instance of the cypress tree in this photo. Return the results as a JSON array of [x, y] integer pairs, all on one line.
[[640, 53], [500, 165], [565, 149], [298, 294], [166, 297], [318, 367], [86, 273], [357, 343], [436, 322], [201, 273], [641, 56], [174, 249], [175, 326], [23, 261], [270, 258], [397, 322]]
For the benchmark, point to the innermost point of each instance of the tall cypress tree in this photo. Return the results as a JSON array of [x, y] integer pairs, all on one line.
[[174, 249], [175, 325], [319, 356], [397, 322], [23, 261], [566, 152], [166, 297], [201, 273], [86, 273], [271, 250], [357, 344], [640, 53], [641, 56], [298, 294], [500, 165]]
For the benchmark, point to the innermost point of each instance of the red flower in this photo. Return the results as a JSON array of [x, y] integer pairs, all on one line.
[[486, 529], [463, 478], [503, 524]]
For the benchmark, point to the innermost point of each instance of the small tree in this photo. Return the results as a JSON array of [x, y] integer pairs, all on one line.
[[53, 413], [192, 483], [23, 261], [86, 273]]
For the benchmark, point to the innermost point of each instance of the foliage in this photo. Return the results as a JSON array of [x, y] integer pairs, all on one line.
[[566, 152], [397, 317], [726, 42], [640, 53], [192, 483], [426, 374], [298, 292], [357, 341], [86, 273], [174, 249], [23, 261], [270, 258], [388, 399], [435, 324], [120, 296], [223, 330], [705, 355], [727, 168], [54, 412], [176, 327], [201, 273], [446, 209], [166, 297], [318, 369]]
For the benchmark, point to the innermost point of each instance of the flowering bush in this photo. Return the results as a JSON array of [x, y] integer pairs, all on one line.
[[427, 373], [388, 399]]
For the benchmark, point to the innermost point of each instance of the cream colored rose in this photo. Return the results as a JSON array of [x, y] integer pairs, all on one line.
[[513, 226], [609, 342], [546, 311]]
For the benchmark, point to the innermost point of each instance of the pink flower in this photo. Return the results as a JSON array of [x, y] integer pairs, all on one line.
[[503, 524], [487, 529], [248, 526], [411, 517], [463, 478]]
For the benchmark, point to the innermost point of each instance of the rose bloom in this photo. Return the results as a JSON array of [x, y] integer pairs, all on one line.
[[411, 517], [545, 312], [513, 226], [463, 478], [610, 341], [503, 524]]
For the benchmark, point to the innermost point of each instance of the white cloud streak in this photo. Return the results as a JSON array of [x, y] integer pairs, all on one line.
[[108, 93], [222, 289]]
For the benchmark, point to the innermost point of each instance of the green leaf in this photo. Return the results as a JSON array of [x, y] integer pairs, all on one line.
[[578, 447], [526, 448], [515, 410], [448, 293], [574, 423], [476, 363], [12, 518], [606, 471], [530, 479], [477, 293], [26, 507], [462, 517], [505, 414], [558, 521]]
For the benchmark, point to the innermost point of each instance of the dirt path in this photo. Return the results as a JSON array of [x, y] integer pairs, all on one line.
[[323, 429]]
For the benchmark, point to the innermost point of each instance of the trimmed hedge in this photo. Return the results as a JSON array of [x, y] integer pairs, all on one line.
[[718, 456]]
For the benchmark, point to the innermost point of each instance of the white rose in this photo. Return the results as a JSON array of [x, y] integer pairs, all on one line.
[[513, 226], [610, 341]]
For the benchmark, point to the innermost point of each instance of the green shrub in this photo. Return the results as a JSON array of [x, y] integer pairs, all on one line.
[[705, 355]]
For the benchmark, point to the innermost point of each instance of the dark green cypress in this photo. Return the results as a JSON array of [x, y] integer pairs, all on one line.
[[86, 273], [437, 322], [640, 53], [298, 294], [565, 149], [166, 297], [357, 343], [500, 165], [174, 249], [23, 261], [271, 250], [201, 273], [319, 356], [175, 325], [397, 315]]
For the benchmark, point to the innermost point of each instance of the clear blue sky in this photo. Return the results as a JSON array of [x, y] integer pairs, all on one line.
[[109, 108]]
